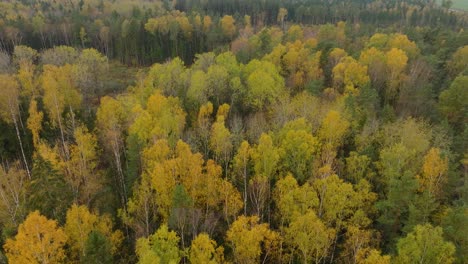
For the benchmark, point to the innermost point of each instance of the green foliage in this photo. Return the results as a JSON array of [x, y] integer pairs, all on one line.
[[97, 249], [456, 230], [161, 247], [264, 84], [48, 191], [325, 136], [425, 245], [453, 102]]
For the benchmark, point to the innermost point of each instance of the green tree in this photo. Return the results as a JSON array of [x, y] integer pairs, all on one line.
[[48, 191], [264, 84], [170, 78], [297, 150], [456, 230], [161, 247], [265, 157], [453, 102], [425, 244], [458, 64], [97, 249]]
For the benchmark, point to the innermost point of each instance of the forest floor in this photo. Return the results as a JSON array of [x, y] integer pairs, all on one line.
[[119, 77]]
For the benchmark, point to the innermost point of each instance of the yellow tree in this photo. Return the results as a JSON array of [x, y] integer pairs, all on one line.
[[53, 97], [331, 133], [310, 237], [379, 41], [141, 209], [297, 150], [376, 62], [80, 223], [34, 121], [230, 199], [39, 240], [111, 120], [204, 251], [357, 167], [228, 26], [164, 178], [401, 41], [10, 110], [342, 205], [293, 200], [335, 56], [220, 140], [294, 33], [241, 168], [298, 64], [207, 22], [250, 239], [373, 257], [349, 75], [265, 157], [185, 26], [396, 65], [27, 79], [304, 66], [163, 118], [357, 244], [203, 126], [60, 93], [264, 84], [202, 181], [81, 169], [12, 195], [434, 173], [282, 13]]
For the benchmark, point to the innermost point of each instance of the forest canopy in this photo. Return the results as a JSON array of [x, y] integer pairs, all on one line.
[[233, 131]]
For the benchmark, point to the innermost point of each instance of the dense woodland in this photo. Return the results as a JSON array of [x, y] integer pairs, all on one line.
[[233, 131]]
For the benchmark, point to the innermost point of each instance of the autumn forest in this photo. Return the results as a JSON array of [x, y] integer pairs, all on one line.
[[233, 131]]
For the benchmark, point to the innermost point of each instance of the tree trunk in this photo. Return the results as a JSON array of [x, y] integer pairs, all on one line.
[[20, 143]]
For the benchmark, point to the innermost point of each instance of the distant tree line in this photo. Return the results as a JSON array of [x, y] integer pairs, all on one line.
[[140, 33]]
